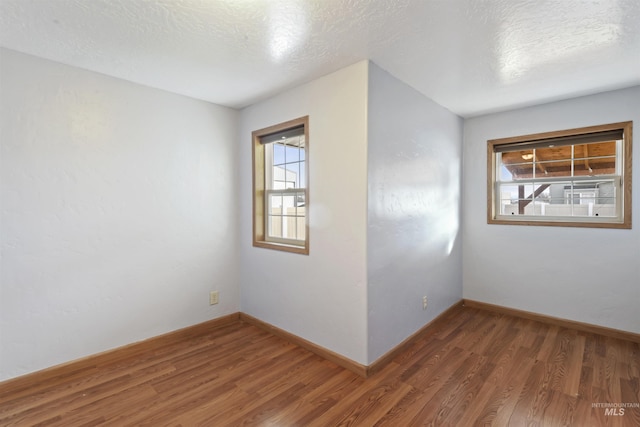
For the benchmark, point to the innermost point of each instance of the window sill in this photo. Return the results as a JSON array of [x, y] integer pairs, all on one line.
[[303, 250], [586, 223]]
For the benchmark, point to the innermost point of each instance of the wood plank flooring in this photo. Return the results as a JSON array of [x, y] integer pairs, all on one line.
[[472, 368]]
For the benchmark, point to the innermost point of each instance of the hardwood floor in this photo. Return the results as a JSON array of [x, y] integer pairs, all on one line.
[[473, 368]]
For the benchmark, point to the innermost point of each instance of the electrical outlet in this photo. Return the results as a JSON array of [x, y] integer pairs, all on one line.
[[424, 302], [213, 297]]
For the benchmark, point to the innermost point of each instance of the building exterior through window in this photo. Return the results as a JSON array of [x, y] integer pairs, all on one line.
[[281, 188], [577, 177]]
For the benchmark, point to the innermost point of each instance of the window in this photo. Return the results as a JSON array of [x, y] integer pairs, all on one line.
[[578, 177], [281, 186]]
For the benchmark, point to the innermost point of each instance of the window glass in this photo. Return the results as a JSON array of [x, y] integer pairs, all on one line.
[[559, 178], [280, 185]]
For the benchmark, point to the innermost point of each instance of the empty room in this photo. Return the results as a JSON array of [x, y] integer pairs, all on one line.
[[319, 213]]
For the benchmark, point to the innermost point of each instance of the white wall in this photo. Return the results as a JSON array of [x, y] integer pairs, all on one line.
[[320, 297], [118, 213], [413, 234], [587, 275], [121, 206]]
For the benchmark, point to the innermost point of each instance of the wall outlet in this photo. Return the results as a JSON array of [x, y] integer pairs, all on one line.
[[213, 297], [424, 302]]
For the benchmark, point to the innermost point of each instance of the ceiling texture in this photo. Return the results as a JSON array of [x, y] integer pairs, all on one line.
[[471, 56]]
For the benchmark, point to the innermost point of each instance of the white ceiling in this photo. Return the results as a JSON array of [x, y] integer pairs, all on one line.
[[471, 56]]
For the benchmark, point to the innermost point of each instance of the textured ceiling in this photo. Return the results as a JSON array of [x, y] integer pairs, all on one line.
[[471, 56]]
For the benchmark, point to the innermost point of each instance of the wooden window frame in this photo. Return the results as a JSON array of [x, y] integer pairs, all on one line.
[[625, 186], [260, 187]]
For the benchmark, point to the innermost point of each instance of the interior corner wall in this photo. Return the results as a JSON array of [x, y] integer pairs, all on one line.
[[589, 275], [413, 226], [320, 297], [118, 212]]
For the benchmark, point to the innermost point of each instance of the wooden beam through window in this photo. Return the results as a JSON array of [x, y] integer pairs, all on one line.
[[522, 203]]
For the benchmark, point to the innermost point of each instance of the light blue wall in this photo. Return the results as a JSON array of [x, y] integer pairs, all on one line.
[[320, 297], [118, 212], [584, 274], [413, 225]]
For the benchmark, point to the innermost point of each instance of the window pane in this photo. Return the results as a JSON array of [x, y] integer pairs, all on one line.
[[595, 159], [302, 177], [275, 204], [554, 153], [606, 192], [554, 168], [289, 227], [509, 209], [278, 154], [293, 175], [561, 199], [508, 192], [517, 167], [565, 161], [300, 227], [288, 205], [300, 203], [522, 199], [275, 226], [534, 208], [519, 164], [517, 156], [279, 177], [526, 191], [542, 193], [292, 153], [508, 199], [505, 175]]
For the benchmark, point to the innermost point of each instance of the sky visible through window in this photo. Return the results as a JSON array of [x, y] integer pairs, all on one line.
[[291, 158]]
